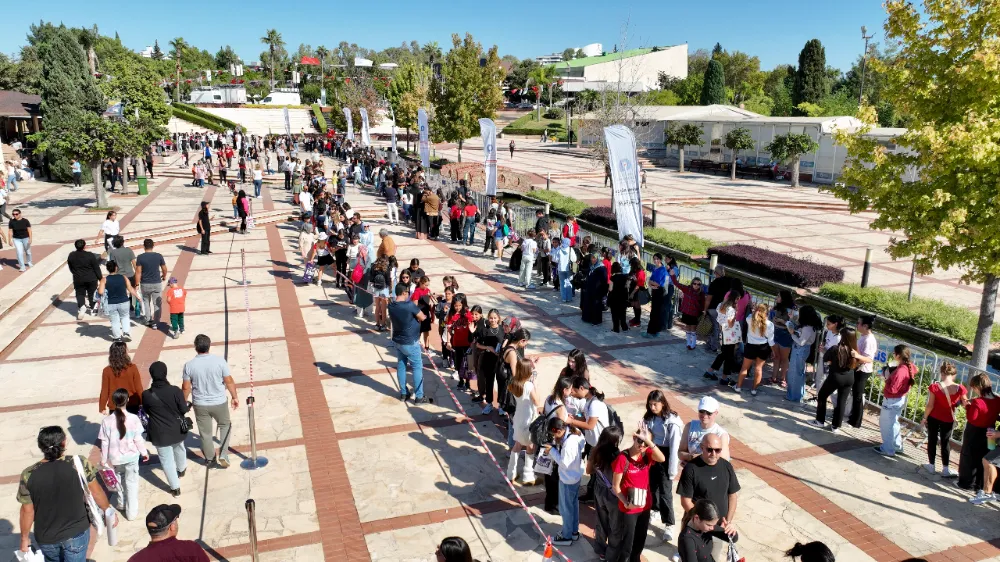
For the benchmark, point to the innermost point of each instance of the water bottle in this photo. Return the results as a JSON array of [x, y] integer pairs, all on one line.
[[109, 522]]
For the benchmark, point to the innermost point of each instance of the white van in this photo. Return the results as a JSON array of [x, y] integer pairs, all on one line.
[[282, 98]]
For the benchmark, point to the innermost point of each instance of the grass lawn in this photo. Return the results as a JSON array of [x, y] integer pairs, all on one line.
[[528, 122]]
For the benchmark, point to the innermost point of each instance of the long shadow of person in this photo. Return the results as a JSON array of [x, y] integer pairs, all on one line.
[[82, 430]]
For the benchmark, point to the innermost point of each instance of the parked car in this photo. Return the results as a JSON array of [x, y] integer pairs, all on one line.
[[525, 105]]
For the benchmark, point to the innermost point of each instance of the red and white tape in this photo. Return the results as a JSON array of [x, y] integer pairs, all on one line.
[[246, 302]]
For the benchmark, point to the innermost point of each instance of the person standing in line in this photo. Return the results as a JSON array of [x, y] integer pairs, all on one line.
[[631, 487], [469, 230], [699, 531], [696, 430], [693, 305], [121, 447], [205, 229], [711, 477], [943, 397], [731, 333], [77, 173], [609, 517], [150, 273], [522, 389], [164, 546], [717, 289], [109, 230], [867, 348], [206, 380], [565, 257], [839, 379], [406, 318], [803, 337], [760, 341], [118, 290], [658, 321], [529, 251], [19, 233], [258, 179], [898, 381], [488, 342], [86, 269], [391, 205], [664, 426], [566, 451], [511, 146], [618, 299], [981, 417], [165, 405], [50, 497]]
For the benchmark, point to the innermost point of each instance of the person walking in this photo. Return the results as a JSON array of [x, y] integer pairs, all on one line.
[[4, 200], [109, 229], [392, 205], [406, 318], [511, 146], [118, 289], [164, 546], [176, 297], [121, 447], [150, 273], [943, 397], [258, 179], [86, 270], [121, 372], [243, 210], [49, 493], [165, 405], [19, 234], [205, 229], [631, 487], [206, 380]]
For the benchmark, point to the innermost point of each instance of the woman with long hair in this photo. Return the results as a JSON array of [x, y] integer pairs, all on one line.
[[981, 415], [243, 209], [943, 397], [730, 328], [664, 426], [631, 486], [760, 341], [811, 552], [636, 283], [528, 402], [700, 528], [513, 351], [121, 447], [783, 311], [804, 333], [842, 360], [121, 372], [488, 343], [692, 307], [576, 365], [380, 282], [609, 518], [454, 549], [459, 325], [898, 380]]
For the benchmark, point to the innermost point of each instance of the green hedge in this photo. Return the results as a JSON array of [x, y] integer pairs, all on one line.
[[560, 203], [681, 241], [929, 314], [320, 120], [192, 110], [210, 124]]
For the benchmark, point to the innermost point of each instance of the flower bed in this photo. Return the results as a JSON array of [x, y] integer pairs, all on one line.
[[777, 267]]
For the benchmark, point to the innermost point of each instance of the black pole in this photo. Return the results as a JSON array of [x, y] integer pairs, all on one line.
[[867, 268]]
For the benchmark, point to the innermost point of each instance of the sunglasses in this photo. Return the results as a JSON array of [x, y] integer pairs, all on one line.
[[696, 284], [705, 413], [711, 450]]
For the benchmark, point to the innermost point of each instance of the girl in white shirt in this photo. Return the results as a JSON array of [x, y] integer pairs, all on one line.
[[803, 337], [109, 230], [760, 340], [831, 338]]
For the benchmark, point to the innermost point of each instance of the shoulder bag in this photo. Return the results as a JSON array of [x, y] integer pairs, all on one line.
[[185, 423], [94, 513]]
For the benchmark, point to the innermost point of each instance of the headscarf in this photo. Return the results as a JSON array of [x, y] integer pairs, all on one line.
[[367, 238], [158, 374], [563, 254]]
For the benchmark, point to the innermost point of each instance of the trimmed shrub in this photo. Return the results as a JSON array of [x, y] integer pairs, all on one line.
[[320, 120], [554, 113], [603, 216], [930, 314], [206, 117], [560, 202], [777, 267], [681, 241], [210, 124]]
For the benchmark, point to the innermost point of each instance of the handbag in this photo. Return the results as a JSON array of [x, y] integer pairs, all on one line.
[[642, 295], [94, 513], [539, 428], [544, 465], [185, 423], [732, 555], [110, 479], [704, 327]]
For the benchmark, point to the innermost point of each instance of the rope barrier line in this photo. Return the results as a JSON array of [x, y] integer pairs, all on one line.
[[246, 302]]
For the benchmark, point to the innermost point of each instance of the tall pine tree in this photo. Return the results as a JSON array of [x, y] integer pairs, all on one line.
[[716, 50], [811, 81], [157, 53], [714, 88]]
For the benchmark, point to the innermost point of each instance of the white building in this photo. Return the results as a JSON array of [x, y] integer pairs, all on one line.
[[633, 67], [822, 166], [147, 52], [592, 50]]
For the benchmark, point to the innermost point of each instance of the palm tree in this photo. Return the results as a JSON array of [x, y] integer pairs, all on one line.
[[274, 42], [541, 76], [432, 51], [178, 45]]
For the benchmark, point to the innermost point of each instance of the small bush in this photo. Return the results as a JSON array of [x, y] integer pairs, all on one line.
[[604, 216], [560, 203], [554, 113], [681, 241], [929, 314], [777, 267]]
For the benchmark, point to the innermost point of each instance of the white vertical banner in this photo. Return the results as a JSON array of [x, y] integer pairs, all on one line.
[[350, 127], [625, 177], [488, 130], [288, 124], [425, 145], [394, 137], [366, 139]]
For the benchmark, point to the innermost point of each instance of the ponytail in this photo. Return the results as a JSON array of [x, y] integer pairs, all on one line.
[[120, 399], [811, 552], [704, 509]]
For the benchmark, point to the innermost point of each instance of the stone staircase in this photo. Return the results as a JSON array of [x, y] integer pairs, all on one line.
[[263, 121]]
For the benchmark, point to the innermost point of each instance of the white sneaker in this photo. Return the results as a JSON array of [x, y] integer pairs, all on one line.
[[930, 468], [982, 497], [836, 430], [668, 535], [79, 313], [947, 473], [817, 423]]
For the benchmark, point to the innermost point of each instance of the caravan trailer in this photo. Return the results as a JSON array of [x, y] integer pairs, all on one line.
[[224, 94]]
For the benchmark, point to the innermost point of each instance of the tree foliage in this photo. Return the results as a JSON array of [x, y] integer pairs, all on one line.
[[791, 147], [225, 57], [737, 140], [157, 52], [682, 136], [811, 83], [713, 90], [408, 92]]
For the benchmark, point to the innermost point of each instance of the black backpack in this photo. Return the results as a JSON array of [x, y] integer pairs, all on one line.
[[539, 428], [613, 418]]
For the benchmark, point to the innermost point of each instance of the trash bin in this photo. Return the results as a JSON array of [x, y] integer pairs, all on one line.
[[142, 187]]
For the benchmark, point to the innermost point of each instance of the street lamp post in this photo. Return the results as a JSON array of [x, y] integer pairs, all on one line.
[[864, 56]]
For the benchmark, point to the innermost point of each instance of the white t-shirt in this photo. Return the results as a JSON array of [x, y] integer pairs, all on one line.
[[529, 249], [595, 409], [867, 346], [306, 199], [258, 174], [111, 228], [3, 195]]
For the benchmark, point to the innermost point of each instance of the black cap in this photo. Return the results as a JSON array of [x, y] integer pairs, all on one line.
[[161, 516]]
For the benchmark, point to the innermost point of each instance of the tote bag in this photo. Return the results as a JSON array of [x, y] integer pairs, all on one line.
[[94, 513]]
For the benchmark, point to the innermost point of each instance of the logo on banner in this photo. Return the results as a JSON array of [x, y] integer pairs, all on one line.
[[625, 165]]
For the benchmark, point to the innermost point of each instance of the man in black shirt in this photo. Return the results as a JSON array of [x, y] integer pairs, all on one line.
[[711, 477], [205, 229], [19, 234], [717, 290], [50, 496], [86, 270], [541, 222]]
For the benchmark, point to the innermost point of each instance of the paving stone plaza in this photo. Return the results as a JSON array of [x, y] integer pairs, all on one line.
[[355, 474]]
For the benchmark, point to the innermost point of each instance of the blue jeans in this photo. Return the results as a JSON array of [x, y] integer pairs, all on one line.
[[565, 285], [173, 459], [236, 213], [411, 354], [888, 424], [256, 187], [796, 378], [569, 508], [70, 550], [128, 500], [469, 232], [12, 181], [118, 313], [23, 248]]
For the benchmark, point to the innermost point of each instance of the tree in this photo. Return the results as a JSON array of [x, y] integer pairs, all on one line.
[[946, 213], [541, 77], [716, 50], [72, 105], [568, 54], [178, 45], [431, 52], [713, 89], [736, 140], [23, 74], [778, 86], [580, 54], [791, 147], [274, 42], [742, 74], [157, 53], [466, 91], [681, 136], [225, 58], [811, 78], [407, 93], [88, 38]]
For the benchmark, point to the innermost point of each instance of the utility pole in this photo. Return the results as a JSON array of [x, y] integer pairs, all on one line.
[[864, 56]]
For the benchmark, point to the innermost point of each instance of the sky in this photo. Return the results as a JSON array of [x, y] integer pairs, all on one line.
[[774, 30]]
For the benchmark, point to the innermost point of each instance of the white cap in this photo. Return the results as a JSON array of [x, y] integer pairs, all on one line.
[[708, 404]]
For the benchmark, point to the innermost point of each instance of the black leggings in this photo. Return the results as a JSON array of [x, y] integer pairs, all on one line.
[[841, 382], [487, 373], [726, 359], [626, 543], [970, 462], [937, 429], [858, 398], [552, 490], [619, 317]]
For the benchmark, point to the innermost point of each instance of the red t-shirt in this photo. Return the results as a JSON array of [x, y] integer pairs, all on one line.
[[943, 411], [458, 325], [607, 266], [455, 212], [418, 293], [637, 476], [983, 412], [471, 210], [899, 381]]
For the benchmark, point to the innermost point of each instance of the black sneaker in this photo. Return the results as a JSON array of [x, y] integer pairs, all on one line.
[[176, 492], [711, 375], [421, 401], [182, 473], [560, 540]]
